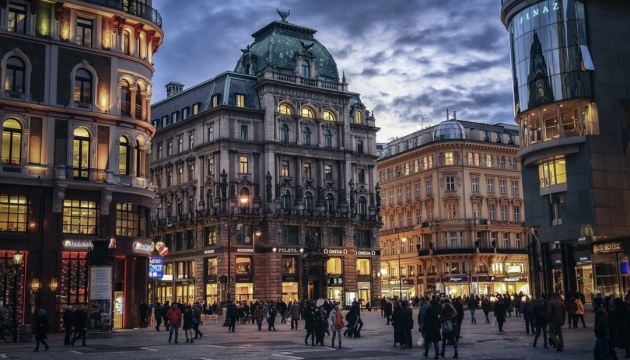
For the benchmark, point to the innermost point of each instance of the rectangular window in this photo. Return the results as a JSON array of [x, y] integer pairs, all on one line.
[[488, 160], [195, 109], [17, 18], [506, 240], [514, 187], [174, 117], [240, 100], [169, 148], [475, 184], [391, 198], [416, 165], [215, 100], [180, 174], [417, 190], [409, 218], [428, 189], [14, 213], [501, 162], [493, 239], [452, 211], [364, 239], [361, 176], [243, 265], [364, 267], [399, 195], [552, 173], [169, 178], [80, 217], [211, 132], [517, 213], [210, 165], [74, 289], [502, 186], [210, 235], [213, 266], [418, 215], [517, 240], [244, 165], [244, 133], [284, 168], [289, 265], [328, 172], [335, 237], [448, 158], [334, 266], [185, 113], [307, 171], [504, 213], [129, 221], [190, 239], [408, 193], [556, 215], [191, 140], [290, 235], [513, 163], [450, 183], [244, 234], [159, 151], [84, 32], [492, 208], [490, 185], [180, 145], [359, 146], [477, 210]]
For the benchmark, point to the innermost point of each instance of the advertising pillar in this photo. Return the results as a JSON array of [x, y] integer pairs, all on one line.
[[100, 259]]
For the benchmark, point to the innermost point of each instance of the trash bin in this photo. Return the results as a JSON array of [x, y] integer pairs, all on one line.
[[25, 333]]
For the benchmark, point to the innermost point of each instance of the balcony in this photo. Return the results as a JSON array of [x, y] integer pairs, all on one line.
[[453, 251], [131, 7], [85, 174], [290, 78]]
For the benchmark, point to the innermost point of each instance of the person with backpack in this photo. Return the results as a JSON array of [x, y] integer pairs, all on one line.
[[540, 320], [448, 319], [196, 311], [336, 324], [259, 315]]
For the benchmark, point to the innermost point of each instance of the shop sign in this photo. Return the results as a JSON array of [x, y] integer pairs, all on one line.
[[209, 251], [455, 279], [286, 250], [77, 244], [364, 286], [393, 282], [289, 278], [607, 248], [407, 281], [585, 258], [367, 252], [156, 267], [245, 250], [513, 279], [141, 246], [335, 251]]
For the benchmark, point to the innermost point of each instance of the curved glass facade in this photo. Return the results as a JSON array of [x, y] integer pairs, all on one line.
[[549, 53]]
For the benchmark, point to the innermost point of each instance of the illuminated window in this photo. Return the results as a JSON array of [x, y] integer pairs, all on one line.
[[213, 265], [81, 154], [17, 18], [284, 168], [243, 265], [83, 86], [123, 156], [334, 266], [215, 100], [307, 171], [488, 160], [240, 100], [84, 33], [329, 115], [244, 165], [11, 141], [289, 264], [285, 109], [14, 78], [552, 172], [452, 211], [210, 235], [364, 267], [79, 217], [448, 158], [14, 213], [195, 109], [307, 113], [358, 117], [73, 282], [129, 221]]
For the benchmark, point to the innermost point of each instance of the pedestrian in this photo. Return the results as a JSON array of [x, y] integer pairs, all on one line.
[[472, 306], [352, 318], [144, 310], [232, 314], [68, 324], [528, 315], [485, 306], [335, 320], [309, 318], [389, 310], [408, 315], [165, 308], [80, 325], [540, 320], [188, 324], [196, 312], [259, 314], [459, 307], [613, 338], [500, 312], [448, 317], [383, 304], [399, 323], [282, 307], [555, 320], [431, 328], [271, 317], [622, 324], [174, 316], [518, 304], [294, 312], [41, 326], [507, 301], [600, 351], [571, 309], [579, 313], [157, 314], [320, 325]]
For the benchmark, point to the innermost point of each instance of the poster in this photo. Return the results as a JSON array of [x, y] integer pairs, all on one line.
[[100, 299]]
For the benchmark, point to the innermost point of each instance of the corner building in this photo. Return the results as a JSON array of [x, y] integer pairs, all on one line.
[[261, 166], [453, 212], [74, 111], [571, 91]]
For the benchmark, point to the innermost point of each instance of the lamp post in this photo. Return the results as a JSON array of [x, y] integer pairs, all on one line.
[[17, 263], [403, 240]]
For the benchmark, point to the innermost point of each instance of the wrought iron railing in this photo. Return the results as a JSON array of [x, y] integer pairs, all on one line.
[[132, 7]]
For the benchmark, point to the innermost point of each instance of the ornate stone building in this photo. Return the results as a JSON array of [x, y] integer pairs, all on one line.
[[75, 110], [266, 178], [452, 210]]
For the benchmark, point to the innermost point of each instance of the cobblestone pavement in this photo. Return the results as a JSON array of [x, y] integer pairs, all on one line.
[[479, 341]]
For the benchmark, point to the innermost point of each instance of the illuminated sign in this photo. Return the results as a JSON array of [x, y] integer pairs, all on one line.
[[607, 248], [77, 244], [536, 11], [366, 252], [287, 250], [156, 267], [142, 246], [246, 250], [335, 251]]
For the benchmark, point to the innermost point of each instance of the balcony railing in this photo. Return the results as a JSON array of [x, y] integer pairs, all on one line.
[[132, 7], [85, 174], [330, 85]]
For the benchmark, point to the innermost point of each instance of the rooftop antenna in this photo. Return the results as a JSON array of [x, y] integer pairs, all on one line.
[[421, 121]]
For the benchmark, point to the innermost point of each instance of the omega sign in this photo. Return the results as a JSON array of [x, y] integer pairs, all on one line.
[[607, 248], [335, 251]]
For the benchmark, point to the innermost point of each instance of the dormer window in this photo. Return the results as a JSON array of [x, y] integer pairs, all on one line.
[[358, 118], [306, 69]]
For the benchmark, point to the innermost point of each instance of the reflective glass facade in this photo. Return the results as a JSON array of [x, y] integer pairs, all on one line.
[[547, 56]]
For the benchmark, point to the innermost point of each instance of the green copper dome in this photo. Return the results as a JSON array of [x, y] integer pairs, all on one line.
[[278, 45]]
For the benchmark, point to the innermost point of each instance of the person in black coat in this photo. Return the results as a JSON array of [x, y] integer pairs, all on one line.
[[157, 314], [80, 325], [309, 318], [68, 323], [165, 310], [499, 312], [399, 321], [460, 316], [41, 326], [144, 311], [408, 312], [431, 329], [232, 314], [389, 310]]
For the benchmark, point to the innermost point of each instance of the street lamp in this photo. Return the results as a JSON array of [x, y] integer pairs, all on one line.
[[17, 262], [403, 240]]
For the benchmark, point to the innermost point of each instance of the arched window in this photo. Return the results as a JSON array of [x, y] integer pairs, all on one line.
[[83, 86], [328, 115], [285, 109], [127, 43], [306, 69], [362, 208], [327, 138], [14, 79], [125, 98], [308, 201], [358, 117], [138, 102], [284, 133], [81, 154], [286, 200], [124, 156], [139, 159], [209, 199], [307, 113], [330, 204], [11, 142], [306, 136]]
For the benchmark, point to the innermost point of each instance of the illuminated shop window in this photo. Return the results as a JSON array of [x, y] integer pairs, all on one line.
[[364, 266], [14, 213], [552, 172], [334, 266], [73, 283], [243, 265], [129, 221], [79, 217]]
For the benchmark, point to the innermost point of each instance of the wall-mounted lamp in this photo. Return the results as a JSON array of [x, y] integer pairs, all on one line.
[[35, 285], [53, 285]]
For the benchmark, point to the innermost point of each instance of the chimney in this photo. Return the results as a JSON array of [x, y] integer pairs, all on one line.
[[173, 88]]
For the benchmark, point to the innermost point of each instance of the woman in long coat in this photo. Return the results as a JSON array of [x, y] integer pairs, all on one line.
[[321, 324], [309, 317], [42, 325], [431, 329], [398, 321], [499, 312]]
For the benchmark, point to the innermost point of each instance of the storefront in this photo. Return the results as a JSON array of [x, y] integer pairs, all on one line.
[[211, 290], [481, 285], [584, 274], [364, 279], [456, 285], [611, 268], [244, 287], [511, 285], [334, 267]]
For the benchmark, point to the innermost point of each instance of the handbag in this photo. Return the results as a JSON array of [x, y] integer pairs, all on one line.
[[447, 326]]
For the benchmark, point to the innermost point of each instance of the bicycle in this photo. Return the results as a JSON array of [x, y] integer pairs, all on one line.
[[8, 333]]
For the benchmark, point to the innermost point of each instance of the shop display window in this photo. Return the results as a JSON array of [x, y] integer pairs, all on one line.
[[14, 213]]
